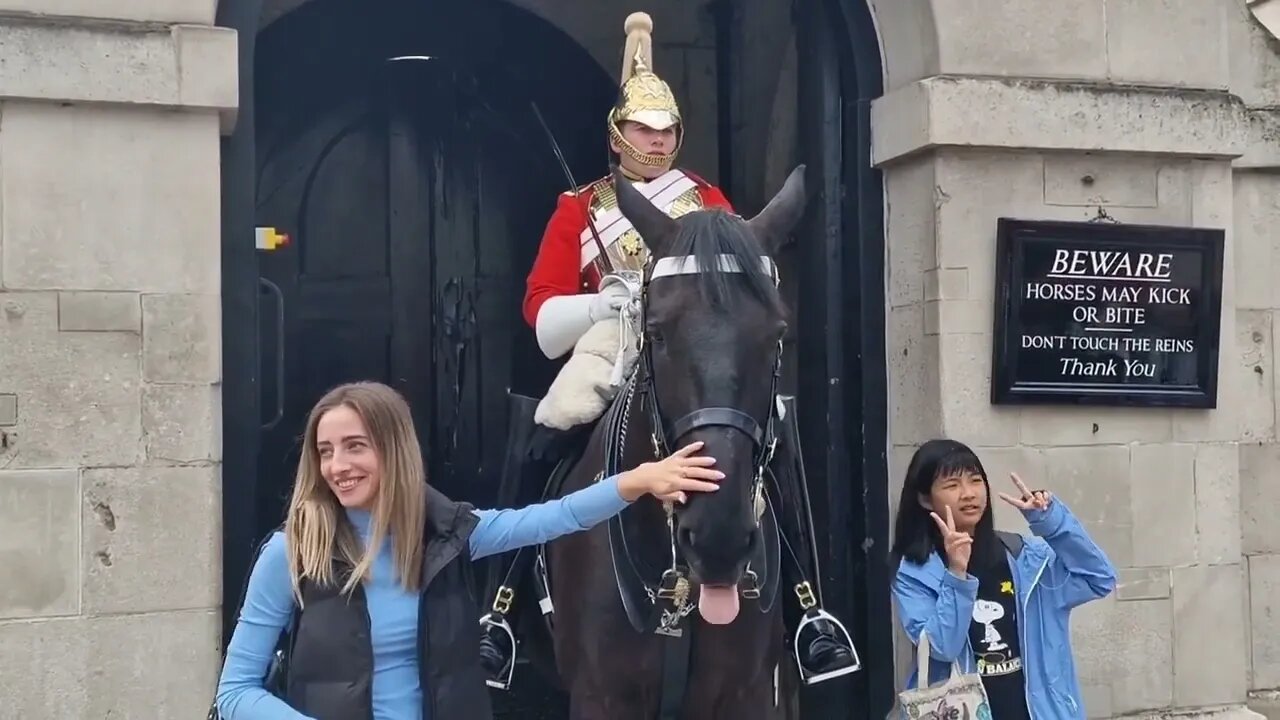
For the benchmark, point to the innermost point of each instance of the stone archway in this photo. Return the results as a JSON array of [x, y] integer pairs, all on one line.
[[852, 227]]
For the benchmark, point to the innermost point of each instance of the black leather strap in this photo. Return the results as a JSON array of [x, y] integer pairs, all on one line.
[[718, 417]]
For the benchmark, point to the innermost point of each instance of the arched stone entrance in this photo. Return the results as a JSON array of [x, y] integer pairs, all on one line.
[[286, 162]]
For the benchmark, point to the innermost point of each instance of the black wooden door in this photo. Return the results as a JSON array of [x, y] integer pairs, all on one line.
[[399, 270]]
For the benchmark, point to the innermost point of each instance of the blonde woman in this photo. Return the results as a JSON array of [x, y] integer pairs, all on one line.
[[371, 570]]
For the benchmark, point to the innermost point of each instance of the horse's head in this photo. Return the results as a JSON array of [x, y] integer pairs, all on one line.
[[713, 325]]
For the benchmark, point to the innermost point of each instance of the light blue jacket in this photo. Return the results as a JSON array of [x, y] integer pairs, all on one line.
[[1056, 571]]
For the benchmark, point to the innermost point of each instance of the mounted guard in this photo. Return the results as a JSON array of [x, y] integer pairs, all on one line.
[[582, 295]]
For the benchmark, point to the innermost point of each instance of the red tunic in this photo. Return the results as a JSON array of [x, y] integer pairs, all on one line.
[[557, 269]]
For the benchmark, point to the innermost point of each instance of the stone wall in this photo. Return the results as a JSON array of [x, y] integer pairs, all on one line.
[[110, 412], [1043, 111]]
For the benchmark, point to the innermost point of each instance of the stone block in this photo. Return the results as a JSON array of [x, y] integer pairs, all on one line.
[[1051, 116], [1093, 426], [914, 412], [1022, 38], [1097, 701], [1256, 215], [954, 317], [118, 64], [1168, 42], [89, 63], [99, 312], [1128, 647], [157, 11], [8, 410], [110, 199], [973, 189], [1253, 345], [1142, 584], [182, 423], [143, 667], [74, 413], [1217, 492], [1094, 179], [1209, 656], [1162, 483], [1212, 205], [1259, 498], [181, 338], [135, 564], [1094, 483], [946, 284], [202, 49], [39, 543], [1262, 151], [909, 38], [1253, 62], [910, 231], [1264, 619], [965, 384]]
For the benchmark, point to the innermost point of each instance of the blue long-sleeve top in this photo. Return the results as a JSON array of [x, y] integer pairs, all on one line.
[[393, 612]]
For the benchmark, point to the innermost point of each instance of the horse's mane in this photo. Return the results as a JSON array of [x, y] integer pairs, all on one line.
[[709, 233]]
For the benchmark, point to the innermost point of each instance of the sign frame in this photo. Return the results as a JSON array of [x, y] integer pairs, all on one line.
[[1012, 236]]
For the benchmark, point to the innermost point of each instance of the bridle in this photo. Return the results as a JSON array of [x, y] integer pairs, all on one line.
[[764, 438], [669, 602]]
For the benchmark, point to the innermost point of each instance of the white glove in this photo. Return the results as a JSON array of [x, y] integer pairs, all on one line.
[[609, 301]]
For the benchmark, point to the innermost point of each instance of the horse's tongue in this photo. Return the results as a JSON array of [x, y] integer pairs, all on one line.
[[718, 605]]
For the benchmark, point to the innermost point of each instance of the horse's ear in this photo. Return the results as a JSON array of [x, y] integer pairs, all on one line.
[[776, 221], [655, 227]]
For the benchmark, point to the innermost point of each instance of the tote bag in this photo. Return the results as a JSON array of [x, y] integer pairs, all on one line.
[[959, 697]]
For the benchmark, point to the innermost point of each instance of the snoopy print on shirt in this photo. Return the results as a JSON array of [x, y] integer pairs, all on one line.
[[993, 634]]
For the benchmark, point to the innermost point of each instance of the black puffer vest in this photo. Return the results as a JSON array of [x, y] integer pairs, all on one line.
[[330, 671]]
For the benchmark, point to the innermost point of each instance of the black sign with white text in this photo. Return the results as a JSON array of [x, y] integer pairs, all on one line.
[[1106, 314]]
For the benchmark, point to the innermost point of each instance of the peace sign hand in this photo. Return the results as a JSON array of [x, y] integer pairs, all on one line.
[[958, 545], [1029, 499]]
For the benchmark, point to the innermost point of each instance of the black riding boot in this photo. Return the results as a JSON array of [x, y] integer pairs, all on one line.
[[533, 452], [823, 647]]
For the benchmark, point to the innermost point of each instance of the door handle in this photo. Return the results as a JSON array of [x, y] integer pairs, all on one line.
[[273, 289]]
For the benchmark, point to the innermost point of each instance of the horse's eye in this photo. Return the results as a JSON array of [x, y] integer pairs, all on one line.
[[655, 336]]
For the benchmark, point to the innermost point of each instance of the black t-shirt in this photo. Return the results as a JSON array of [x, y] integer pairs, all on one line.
[[993, 633]]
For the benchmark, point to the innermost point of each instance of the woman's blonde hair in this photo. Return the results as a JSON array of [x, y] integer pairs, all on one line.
[[316, 529]]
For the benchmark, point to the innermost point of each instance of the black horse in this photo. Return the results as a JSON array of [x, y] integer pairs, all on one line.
[[628, 642]]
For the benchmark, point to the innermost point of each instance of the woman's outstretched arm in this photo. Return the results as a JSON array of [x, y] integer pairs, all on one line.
[[668, 479]]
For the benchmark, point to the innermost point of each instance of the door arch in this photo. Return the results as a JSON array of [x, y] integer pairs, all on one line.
[[846, 368]]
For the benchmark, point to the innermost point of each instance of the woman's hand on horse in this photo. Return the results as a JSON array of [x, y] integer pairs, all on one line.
[[671, 478]]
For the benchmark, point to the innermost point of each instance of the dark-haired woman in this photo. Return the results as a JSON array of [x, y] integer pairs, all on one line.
[[996, 604]]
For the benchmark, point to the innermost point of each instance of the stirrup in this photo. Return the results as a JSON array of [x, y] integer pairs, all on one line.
[[815, 615], [492, 620]]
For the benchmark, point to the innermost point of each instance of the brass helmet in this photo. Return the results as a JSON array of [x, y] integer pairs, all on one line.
[[644, 98]]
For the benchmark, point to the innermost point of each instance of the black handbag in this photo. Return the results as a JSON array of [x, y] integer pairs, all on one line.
[[278, 669]]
